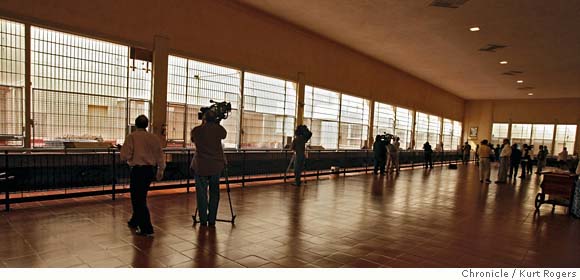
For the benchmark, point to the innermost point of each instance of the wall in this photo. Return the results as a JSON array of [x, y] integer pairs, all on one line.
[[229, 33], [482, 113]]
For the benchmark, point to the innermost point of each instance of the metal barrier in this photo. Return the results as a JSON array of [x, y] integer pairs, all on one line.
[[86, 172]]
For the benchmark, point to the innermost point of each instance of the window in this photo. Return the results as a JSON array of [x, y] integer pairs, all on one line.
[[542, 134], [499, 131], [404, 126], [269, 110], [448, 135], [427, 128], [195, 83], [11, 83], [84, 89], [354, 120], [521, 134], [321, 115], [565, 137], [456, 139], [384, 119]]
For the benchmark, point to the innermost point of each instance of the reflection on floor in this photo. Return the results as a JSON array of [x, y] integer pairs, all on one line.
[[438, 218]]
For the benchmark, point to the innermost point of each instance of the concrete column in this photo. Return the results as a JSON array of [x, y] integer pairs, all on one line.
[[577, 143], [27, 89], [371, 131], [301, 86], [413, 124], [159, 112]]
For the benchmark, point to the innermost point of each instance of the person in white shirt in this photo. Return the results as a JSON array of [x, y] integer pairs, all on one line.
[[563, 155], [143, 152], [504, 162]]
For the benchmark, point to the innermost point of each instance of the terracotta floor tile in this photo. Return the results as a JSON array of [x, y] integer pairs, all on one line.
[[442, 218]]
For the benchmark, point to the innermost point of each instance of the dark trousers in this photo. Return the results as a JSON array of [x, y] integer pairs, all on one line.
[[299, 161], [141, 177], [380, 165], [514, 169], [524, 166], [207, 211], [429, 160]]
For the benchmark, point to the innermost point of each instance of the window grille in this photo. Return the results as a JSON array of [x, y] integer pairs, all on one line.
[[354, 120], [321, 115], [269, 110], [195, 83], [84, 89], [12, 67], [565, 137]]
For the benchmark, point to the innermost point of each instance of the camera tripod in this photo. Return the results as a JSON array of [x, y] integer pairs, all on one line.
[[233, 219]]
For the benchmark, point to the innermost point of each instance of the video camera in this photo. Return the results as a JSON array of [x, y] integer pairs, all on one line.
[[303, 131], [386, 138], [221, 109]]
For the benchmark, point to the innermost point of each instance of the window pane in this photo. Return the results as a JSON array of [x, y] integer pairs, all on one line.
[[499, 131], [321, 111], [542, 134], [448, 135], [80, 88], [11, 83], [196, 83], [384, 119], [269, 109], [354, 113], [565, 137], [521, 134], [404, 126], [456, 140]]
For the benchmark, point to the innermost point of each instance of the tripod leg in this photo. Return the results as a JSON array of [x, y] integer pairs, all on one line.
[[194, 216], [229, 196]]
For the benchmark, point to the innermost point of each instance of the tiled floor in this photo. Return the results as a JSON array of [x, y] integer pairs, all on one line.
[[438, 218]]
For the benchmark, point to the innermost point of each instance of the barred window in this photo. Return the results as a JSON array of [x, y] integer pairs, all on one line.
[[11, 83], [428, 128], [384, 119], [521, 134], [195, 83], [542, 134], [404, 126], [269, 110], [565, 137], [354, 122], [456, 139], [321, 115], [448, 135], [84, 89], [499, 131]]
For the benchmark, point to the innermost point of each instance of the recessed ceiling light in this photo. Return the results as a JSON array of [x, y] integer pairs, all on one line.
[[503, 62], [530, 94], [520, 81], [474, 29]]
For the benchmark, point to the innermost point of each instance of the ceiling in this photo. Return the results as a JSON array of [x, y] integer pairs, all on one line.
[[435, 44]]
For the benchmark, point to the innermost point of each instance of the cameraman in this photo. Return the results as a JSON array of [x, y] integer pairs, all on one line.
[[208, 163], [380, 153], [299, 148]]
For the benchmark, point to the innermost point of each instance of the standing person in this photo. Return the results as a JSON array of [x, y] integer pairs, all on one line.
[[477, 154], [515, 160], [428, 155], [504, 162], [380, 155], [492, 157], [485, 152], [542, 157], [497, 152], [466, 152], [208, 163], [563, 158], [299, 148], [525, 159], [390, 156], [397, 149], [143, 152], [530, 165]]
